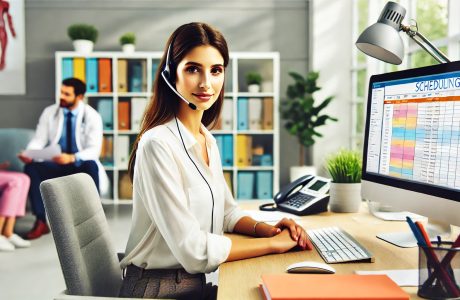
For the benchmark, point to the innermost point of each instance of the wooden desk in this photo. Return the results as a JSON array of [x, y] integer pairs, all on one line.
[[240, 279]]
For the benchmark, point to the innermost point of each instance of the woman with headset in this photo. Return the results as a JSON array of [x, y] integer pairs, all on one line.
[[182, 204]]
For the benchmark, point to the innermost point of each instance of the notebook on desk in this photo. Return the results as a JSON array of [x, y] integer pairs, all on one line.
[[320, 286]]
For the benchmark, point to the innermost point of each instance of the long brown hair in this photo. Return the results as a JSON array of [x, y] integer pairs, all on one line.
[[161, 108]]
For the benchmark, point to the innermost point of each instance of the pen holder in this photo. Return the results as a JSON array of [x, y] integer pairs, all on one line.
[[439, 271]]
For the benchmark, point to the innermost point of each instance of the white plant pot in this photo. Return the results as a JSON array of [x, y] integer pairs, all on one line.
[[345, 197], [83, 46], [253, 88], [299, 171], [128, 48]]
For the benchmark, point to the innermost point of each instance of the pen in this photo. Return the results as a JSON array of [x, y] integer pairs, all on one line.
[[439, 269]]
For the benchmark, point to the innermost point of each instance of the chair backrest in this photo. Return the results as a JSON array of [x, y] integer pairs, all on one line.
[[88, 258], [12, 141]]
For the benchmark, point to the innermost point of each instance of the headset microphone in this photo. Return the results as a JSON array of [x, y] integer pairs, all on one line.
[[167, 76]]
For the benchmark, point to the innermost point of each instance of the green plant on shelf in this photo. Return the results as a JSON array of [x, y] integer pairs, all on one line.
[[253, 78], [345, 166], [82, 32], [128, 38]]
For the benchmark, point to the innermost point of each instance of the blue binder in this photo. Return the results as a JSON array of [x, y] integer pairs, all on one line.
[[135, 77], [67, 68], [154, 70], [264, 181], [220, 145], [266, 160], [227, 156], [105, 109], [243, 117], [91, 75], [245, 185]]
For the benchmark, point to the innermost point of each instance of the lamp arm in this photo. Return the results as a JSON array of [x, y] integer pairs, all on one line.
[[425, 44]]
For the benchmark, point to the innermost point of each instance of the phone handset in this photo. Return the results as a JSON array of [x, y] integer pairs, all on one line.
[[285, 192]]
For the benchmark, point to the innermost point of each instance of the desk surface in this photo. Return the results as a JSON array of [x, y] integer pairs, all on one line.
[[240, 279]]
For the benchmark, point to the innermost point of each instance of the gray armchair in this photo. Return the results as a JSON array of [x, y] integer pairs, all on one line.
[[88, 258], [12, 141]]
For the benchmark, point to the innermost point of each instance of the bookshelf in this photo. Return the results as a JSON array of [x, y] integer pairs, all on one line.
[[119, 86]]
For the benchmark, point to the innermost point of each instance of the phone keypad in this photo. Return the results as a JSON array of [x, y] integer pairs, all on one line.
[[299, 200]]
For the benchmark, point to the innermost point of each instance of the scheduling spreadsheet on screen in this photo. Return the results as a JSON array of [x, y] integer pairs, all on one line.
[[414, 129]]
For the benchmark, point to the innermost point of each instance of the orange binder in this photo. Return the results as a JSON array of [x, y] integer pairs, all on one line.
[[105, 75], [123, 116], [79, 68], [267, 118], [330, 287]]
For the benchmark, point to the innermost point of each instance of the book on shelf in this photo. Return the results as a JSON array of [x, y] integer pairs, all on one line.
[[122, 152], [91, 75], [243, 150], [138, 106], [264, 185], [122, 76], [105, 75], [331, 287], [79, 68], [227, 158], [105, 109], [135, 76], [123, 116], [267, 119], [255, 113], [67, 68], [242, 112]]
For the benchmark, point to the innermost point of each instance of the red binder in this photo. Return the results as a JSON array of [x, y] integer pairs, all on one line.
[[330, 287]]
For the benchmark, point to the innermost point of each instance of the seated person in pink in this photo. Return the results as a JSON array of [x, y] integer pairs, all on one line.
[[14, 187]]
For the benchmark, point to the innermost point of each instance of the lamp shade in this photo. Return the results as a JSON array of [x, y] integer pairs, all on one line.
[[382, 40]]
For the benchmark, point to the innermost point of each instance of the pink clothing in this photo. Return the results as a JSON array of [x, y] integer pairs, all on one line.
[[14, 187]]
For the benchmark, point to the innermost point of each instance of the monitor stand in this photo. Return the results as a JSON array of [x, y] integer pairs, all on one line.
[[407, 240]]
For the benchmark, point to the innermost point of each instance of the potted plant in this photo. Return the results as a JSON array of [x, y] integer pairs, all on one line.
[[127, 42], [345, 170], [83, 36], [253, 80], [303, 117]]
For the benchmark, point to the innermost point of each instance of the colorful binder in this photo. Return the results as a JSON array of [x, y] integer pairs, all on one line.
[[144, 75], [79, 68], [67, 68], [264, 185], [245, 185], [154, 70], [267, 119], [227, 156], [228, 180], [138, 106], [227, 115], [105, 75], [220, 146], [122, 152], [105, 109], [331, 287], [91, 75], [125, 188], [255, 113], [123, 116], [135, 76], [107, 150], [243, 121], [243, 150], [122, 76]]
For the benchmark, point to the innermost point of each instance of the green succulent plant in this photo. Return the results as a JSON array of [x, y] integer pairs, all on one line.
[[253, 78], [82, 32], [345, 166], [128, 38]]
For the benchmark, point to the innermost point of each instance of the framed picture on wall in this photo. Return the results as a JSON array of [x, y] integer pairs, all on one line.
[[12, 48]]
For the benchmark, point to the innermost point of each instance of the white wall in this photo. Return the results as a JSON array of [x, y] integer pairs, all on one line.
[[331, 56]]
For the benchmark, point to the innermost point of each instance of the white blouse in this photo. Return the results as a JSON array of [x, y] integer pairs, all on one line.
[[172, 204]]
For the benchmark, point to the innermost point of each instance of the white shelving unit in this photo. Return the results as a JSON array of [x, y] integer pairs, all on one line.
[[266, 63]]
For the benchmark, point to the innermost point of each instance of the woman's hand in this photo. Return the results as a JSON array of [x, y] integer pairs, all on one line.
[[297, 232], [282, 242]]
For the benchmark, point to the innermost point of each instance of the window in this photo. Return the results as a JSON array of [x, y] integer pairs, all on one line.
[[433, 22]]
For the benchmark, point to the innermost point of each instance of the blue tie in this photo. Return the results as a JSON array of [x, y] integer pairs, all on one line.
[[69, 133]]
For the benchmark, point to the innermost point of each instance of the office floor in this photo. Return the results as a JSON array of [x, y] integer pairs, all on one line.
[[35, 273]]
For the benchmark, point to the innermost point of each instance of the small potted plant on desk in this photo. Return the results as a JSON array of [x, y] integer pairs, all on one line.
[[253, 80], [302, 119], [127, 42], [345, 170], [83, 36]]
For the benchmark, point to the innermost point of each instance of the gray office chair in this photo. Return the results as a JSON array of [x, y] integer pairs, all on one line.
[[88, 258]]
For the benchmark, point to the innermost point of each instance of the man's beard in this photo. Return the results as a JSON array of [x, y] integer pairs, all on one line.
[[65, 104]]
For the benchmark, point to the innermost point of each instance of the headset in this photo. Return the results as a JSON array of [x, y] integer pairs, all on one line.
[[169, 78]]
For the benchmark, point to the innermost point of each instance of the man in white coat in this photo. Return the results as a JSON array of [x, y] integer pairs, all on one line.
[[77, 128]]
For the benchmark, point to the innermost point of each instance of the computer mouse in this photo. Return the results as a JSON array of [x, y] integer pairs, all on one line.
[[310, 267]]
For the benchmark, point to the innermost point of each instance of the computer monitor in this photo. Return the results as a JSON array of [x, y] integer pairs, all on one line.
[[411, 155]]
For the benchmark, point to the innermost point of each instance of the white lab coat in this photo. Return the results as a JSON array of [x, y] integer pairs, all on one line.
[[88, 136]]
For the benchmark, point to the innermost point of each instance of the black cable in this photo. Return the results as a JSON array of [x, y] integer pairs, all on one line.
[[212, 195]]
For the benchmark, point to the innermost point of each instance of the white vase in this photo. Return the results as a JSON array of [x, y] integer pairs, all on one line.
[[345, 197], [128, 48], [253, 88], [83, 46], [296, 172]]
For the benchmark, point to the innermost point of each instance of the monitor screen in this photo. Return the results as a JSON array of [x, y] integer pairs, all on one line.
[[412, 138]]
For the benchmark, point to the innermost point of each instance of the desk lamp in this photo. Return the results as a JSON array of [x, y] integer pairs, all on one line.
[[382, 40]]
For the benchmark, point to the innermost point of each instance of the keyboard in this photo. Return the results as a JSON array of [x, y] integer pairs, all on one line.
[[337, 246]]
